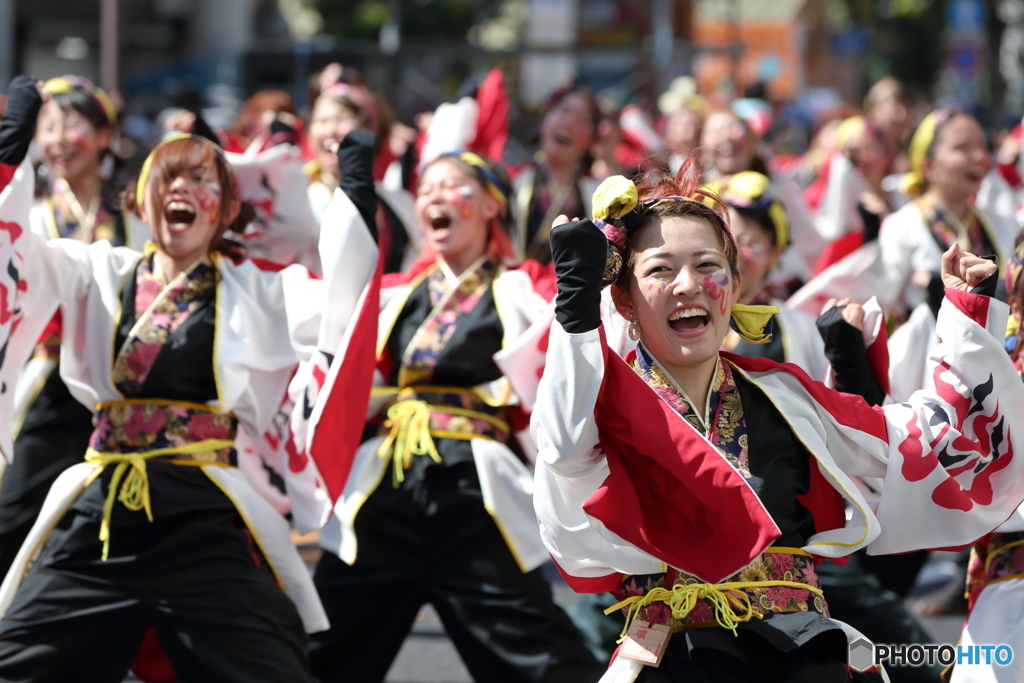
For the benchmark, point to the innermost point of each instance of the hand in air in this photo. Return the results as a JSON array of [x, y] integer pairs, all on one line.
[[851, 312], [963, 270]]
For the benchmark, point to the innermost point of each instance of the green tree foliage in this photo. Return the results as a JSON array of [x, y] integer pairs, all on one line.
[[420, 19]]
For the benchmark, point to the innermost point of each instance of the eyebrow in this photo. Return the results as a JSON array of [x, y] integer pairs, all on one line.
[[668, 254]]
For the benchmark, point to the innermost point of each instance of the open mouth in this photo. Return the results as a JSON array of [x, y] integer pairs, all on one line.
[[689, 319], [179, 214], [439, 220]]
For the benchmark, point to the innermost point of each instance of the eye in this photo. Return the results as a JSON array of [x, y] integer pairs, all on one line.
[[656, 270]]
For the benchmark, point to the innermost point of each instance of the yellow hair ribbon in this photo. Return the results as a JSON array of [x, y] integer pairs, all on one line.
[[913, 182], [140, 187], [750, 322], [65, 84], [849, 130], [753, 186], [614, 197]]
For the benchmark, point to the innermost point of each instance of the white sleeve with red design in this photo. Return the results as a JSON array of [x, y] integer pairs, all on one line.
[[956, 453], [319, 453], [35, 278], [571, 465]]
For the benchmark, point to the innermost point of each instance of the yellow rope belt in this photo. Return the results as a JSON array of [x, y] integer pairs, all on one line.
[[682, 598], [725, 598], [134, 493], [409, 422]]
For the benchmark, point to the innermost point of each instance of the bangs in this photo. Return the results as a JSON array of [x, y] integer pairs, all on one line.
[[179, 157]]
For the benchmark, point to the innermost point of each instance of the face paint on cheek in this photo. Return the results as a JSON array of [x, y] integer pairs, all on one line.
[[80, 139], [656, 283], [208, 194], [461, 199], [717, 283]]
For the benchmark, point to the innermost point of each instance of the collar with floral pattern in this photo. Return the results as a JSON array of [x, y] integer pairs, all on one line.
[[723, 413]]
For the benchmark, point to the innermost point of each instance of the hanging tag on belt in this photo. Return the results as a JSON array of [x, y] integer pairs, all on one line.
[[645, 642]]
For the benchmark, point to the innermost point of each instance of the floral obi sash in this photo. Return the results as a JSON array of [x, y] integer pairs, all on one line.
[[415, 416], [131, 432], [779, 580], [997, 557]]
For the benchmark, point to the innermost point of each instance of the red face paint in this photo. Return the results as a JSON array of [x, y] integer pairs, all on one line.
[[208, 194], [716, 284], [461, 199]]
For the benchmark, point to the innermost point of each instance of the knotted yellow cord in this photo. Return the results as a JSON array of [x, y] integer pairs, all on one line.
[[682, 598], [134, 493], [409, 422]]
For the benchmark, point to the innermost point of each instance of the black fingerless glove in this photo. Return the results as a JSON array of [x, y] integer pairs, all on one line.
[[355, 164], [202, 128], [579, 252], [987, 287], [845, 350], [18, 125]]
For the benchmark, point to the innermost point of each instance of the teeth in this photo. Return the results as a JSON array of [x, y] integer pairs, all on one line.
[[435, 213], [180, 206], [687, 313]]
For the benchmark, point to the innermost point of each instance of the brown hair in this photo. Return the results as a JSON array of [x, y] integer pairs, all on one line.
[[178, 157], [686, 198], [250, 117]]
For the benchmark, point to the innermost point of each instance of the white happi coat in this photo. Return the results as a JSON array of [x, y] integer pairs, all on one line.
[[506, 483], [914, 510], [266, 323]]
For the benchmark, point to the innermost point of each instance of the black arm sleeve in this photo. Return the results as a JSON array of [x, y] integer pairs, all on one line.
[[579, 251], [18, 125], [355, 164], [844, 348], [872, 223]]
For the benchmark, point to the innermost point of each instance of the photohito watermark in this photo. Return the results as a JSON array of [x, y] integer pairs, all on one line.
[[865, 655]]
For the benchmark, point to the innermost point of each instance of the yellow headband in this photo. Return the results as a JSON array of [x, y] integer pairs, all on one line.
[[65, 84], [491, 182], [914, 181], [140, 187]]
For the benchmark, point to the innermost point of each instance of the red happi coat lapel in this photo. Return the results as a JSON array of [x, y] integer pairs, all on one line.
[[670, 492]]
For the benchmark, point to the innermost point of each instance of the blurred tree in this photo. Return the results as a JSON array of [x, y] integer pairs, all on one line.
[[420, 18]]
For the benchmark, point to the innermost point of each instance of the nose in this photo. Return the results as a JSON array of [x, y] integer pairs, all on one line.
[[687, 284], [179, 183]]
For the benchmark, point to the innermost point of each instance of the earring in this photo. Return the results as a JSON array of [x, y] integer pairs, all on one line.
[[633, 331]]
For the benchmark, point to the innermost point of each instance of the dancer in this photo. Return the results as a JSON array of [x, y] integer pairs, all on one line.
[[558, 181], [996, 566], [438, 507], [51, 428], [342, 107], [949, 158], [179, 346], [701, 486]]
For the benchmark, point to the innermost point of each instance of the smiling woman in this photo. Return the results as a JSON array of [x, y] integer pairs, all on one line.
[[190, 201], [702, 488], [180, 348]]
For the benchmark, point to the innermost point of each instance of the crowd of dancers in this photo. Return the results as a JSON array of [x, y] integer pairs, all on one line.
[[734, 395]]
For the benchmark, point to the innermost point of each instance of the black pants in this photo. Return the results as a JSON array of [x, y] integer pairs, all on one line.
[[197, 578], [431, 540], [54, 437], [749, 658], [857, 598]]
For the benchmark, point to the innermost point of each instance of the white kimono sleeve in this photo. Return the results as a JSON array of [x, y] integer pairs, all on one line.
[[570, 464]]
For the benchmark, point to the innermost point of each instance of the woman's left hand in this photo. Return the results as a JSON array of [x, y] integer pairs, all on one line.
[[962, 270]]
